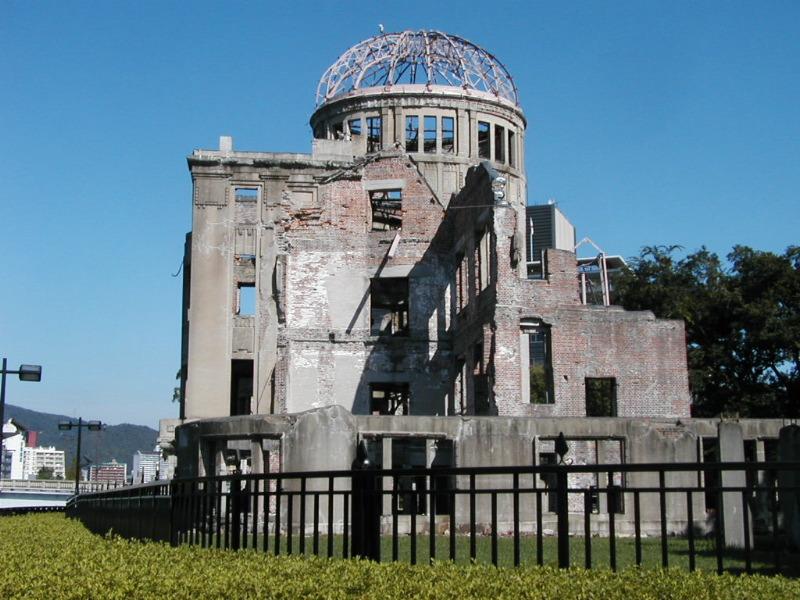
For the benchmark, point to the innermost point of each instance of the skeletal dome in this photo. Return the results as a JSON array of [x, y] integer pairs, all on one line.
[[423, 58]]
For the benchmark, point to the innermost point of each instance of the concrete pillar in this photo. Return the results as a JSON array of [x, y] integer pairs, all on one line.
[[789, 451], [731, 449], [387, 481]]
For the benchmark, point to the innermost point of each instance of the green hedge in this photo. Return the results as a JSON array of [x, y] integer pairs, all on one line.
[[48, 556]]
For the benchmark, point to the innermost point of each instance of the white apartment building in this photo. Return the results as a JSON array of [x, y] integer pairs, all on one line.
[[146, 466], [34, 459], [13, 444]]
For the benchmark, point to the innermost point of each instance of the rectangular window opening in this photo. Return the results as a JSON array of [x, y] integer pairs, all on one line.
[[512, 149], [459, 406], [430, 134], [412, 134], [246, 300], [388, 398], [338, 130], [387, 209], [483, 259], [601, 397], [540, 367], [483, 139], [480, 381], [241, 387], [374, 134], [243, 194], [448, 135], [462, 287], [389, 306], [411, 489], [354, 125], [499, 143]]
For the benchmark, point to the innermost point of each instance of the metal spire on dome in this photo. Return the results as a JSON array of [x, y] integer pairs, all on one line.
[[416, 57]]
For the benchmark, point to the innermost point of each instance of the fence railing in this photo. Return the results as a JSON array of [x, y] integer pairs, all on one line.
[[715, 516], [54, 485]]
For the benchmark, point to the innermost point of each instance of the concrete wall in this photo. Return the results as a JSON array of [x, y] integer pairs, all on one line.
[[326, 439]]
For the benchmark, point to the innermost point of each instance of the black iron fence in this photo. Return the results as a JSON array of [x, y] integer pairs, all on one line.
[[715, 516]]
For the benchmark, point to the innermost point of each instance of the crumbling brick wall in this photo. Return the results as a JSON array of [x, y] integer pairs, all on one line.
[[645, 356]]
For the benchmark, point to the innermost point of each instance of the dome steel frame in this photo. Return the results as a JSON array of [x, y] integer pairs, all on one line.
[[430, 58]]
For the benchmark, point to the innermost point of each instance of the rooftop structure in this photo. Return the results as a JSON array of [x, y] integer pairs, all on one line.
[[427, 59]]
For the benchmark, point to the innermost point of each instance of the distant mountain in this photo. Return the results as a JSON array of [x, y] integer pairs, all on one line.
[[119, 442]]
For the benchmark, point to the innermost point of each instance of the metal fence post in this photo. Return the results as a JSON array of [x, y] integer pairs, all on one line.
[[171, 524], [236, 511], [365, 519], [562, 509]]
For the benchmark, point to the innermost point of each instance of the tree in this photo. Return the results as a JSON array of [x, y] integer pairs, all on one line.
[[45, 473], [742, 323]]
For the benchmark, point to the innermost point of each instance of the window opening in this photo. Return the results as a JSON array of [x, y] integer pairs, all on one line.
[[459, 388], [448, 135], [389, 306], [338, 130], [462, 285], [499, 143], [601, 397], [483, 139], [245, 194], [412, 489], [430, 134], [540, 367], [246, 300], [480, 381], [477, 264], [512, 150], [388, 399], [387, 213], [241, 387], [482, 257], [354, 125], [373, 134], [412, 134]]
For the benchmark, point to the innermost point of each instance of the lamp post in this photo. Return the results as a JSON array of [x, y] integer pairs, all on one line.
[[26, 373], [79, 425]]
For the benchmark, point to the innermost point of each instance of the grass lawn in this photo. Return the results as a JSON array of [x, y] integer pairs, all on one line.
[[762, 560]]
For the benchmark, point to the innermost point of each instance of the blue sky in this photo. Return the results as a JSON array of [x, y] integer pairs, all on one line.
[[648, 122]]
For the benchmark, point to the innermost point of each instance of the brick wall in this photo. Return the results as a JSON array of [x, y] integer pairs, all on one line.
[[646, 356]]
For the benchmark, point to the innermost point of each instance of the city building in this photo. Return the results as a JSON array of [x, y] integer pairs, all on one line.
[[15, 439], [23, 459], [113, 472], [146, 466], [38, 458]]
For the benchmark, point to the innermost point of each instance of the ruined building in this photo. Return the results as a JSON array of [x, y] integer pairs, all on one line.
[[395, 270], [393, 288]]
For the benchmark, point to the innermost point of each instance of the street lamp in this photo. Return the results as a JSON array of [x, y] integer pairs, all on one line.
[[79, 425], [26, 373]]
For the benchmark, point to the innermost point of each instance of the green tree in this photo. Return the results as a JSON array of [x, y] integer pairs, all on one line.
[[45, 473], [742, 323]]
